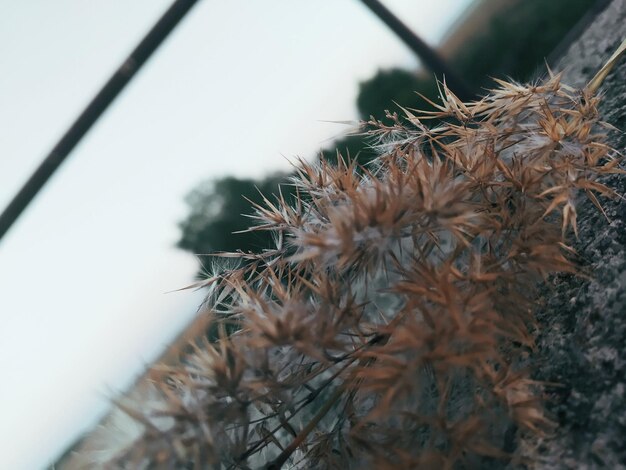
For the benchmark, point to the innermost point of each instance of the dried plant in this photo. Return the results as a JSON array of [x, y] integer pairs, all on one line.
[[391, 325]]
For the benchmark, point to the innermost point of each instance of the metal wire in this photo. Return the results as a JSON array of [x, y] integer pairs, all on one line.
[[93, 111]]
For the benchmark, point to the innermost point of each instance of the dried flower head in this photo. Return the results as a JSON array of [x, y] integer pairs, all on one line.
[[391, 324]]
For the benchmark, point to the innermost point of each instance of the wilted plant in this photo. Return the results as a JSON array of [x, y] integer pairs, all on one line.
[[391, 325]]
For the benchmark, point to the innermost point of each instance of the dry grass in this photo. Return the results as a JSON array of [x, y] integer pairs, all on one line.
[[392, 324]]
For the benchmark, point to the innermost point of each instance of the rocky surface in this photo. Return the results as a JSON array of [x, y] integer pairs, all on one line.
[[582, 340]]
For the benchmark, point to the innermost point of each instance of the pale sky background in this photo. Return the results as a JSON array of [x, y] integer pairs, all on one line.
[[85, 271]]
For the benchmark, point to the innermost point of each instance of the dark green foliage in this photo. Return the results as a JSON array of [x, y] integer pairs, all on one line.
[[216, 209], [387, 87]]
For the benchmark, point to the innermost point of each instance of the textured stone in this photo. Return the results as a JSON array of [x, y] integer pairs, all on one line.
[[582, 338]]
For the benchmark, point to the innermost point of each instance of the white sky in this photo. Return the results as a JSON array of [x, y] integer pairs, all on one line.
[[84, 272]]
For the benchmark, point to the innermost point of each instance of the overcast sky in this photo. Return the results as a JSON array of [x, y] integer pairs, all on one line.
[[84, 273]]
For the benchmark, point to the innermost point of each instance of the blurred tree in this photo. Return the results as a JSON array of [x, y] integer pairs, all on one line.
[[516, 42], [216, 209], [387, 86]]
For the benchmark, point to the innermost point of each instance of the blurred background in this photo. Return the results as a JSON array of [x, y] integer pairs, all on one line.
[[235, 92]]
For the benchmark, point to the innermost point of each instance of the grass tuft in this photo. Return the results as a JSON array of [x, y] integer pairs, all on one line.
[[391, 326]]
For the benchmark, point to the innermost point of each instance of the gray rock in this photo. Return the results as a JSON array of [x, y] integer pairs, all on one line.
[[582, 337]]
